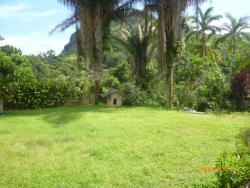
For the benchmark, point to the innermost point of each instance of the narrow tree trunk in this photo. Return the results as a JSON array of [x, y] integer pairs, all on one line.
[[170, 84], [234, 46], [137, 71], [146, 18], [173, 34], [79, 48], [204, 50], [91, 37], [170, 68], [86, 33], [98, 53], [161, 40], [197, 21], [1, 104]]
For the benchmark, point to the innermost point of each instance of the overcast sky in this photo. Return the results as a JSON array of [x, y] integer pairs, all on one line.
[[26, 23]]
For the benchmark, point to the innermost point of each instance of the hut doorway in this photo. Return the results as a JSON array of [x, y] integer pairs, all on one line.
[[115, 102]]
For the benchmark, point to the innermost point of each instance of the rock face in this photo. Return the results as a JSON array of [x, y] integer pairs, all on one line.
[[71, 46]]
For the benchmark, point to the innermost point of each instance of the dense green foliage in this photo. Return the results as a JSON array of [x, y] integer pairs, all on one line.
[[240, 89], [40, 81], [234, 168], [200, 83], [203, 72], [207, 72]]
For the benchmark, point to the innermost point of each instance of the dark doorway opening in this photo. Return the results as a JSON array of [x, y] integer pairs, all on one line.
[[114, 102]]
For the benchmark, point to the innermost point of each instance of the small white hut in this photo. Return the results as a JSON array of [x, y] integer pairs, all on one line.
[[114, 98]]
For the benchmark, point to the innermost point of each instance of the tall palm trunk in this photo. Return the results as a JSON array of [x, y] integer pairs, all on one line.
[[87, 27], [234, 46], [92, 35], [204, 44], [140, 72], [161, 40], [98, 52], [197, 2], [170, 38], [170, 83], [79, 48], [173, 34]]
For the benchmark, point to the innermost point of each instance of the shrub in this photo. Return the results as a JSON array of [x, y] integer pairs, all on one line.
[[186, 96], [10, 50], [234, 168], [121, 72], [112, 82], [42, 94], [137, 97], [240, 89], [199, 83], [48, 85]]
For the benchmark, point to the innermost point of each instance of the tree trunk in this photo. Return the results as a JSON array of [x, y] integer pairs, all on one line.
[[204, 41], [146, 18], [161, 40], [140, 70], [1, 103], [234, 46], [170, 84], [197, 21], [91, 37], [173, 34], [79, 48], [170, 55], [98, 52], [86, 33]]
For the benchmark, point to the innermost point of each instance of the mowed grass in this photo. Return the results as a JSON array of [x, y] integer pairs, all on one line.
[[93, 146]]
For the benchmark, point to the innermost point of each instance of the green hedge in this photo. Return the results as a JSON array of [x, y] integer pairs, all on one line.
[[42, 94]]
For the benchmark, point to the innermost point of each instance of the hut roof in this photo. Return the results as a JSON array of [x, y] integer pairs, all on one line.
[[3, 94], [112, 92]]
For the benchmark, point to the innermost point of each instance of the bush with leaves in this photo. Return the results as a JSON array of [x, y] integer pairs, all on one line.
[[240, 89], [41, 94], [234, 168], [23, 83], [137, 97], [199, 83], [10, 50]]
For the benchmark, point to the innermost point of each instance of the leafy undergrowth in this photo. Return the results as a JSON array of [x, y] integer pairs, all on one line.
[[113, 147]]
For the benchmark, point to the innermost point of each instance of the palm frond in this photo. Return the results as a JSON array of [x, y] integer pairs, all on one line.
[[66, 23]]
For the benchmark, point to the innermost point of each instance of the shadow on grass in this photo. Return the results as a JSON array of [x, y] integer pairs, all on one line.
[[62, 116]]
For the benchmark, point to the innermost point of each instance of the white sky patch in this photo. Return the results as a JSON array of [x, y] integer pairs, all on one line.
[[6, 10], [28, 16], [217, 11], [33, 44], [18, 12]]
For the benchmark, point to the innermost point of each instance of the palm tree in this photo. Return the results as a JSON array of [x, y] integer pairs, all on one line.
[[235, 31], [172, 12], [155, 6], [170, 18], [95, 17], [205, 28], [197, 4], [138, 43]]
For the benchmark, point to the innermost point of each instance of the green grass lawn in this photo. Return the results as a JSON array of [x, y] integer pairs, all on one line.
[[113, 147]]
